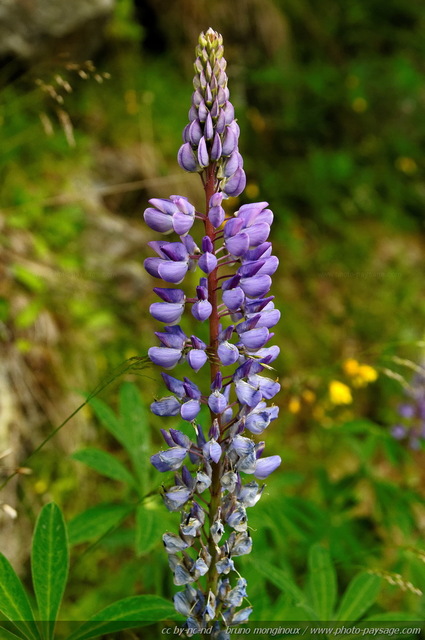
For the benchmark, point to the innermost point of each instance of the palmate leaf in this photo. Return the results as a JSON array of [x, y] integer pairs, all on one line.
[[280, 579], [49, 565], [96, 521], [149, 528], [5, 634], [135, 425], [128, 613], [131, 428], [104, 463], [104, 413], [322, 581], [359, 596], [14, 603], [108, 419]]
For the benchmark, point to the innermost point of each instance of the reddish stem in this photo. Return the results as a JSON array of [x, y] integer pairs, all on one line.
[[214, 321]]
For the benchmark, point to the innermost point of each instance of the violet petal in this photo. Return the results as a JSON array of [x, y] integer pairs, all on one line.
[[201, 310], [173, 272], [196, 359], [166, 311], [168, 406], [186, 158], [266, 466], [190, 409], [164, 357]]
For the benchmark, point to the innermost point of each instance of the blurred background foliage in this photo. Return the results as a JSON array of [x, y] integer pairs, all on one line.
[[330, 106]]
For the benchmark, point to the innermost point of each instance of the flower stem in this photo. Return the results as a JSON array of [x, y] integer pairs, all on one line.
[[215, 488]]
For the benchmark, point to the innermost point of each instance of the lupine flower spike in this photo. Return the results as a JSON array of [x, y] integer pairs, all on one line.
[[214, 471]]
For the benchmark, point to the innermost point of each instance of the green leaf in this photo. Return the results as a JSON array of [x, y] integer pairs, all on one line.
[[284, 582], [394, 616], [29, 314], [34, 282], [5, 634], [135, 425], [322, 581], [129, 613], [4, 309], [107, 418], [14, 603], [363, 426], [49, 564], [359, 596], [147, 530], [104, 463], [96, 521]]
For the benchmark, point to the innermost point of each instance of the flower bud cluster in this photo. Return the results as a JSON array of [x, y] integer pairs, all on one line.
[[211, 137], [217, 472]]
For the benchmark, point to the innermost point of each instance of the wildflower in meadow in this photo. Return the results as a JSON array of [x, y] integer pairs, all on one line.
[[411, 424], [219, 471], [339, 393], [361, 374]]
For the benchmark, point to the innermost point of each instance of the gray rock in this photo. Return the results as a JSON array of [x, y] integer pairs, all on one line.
[[33, 28]]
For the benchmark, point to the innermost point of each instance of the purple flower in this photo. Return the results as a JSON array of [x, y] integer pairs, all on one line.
[[249, 494], [241, 616], [183, 601], [173, 543], [259, 418], [202, 310], [187, 159], [173, 263], [235, 184], [236, 596], [175, 214], [167, 311], [257, 286], [228, 353], [240, 544], [207, 262], [216, 212], [168, 406], [231, 297], [266, 466], [176, 497], [255, 338], [197, 358], [247, 393], [212, 450], [190, 409], [169, 460], [406, 410], [164, 357], [217, 402]]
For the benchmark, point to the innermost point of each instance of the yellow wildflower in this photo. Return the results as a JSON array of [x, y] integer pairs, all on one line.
[[365, 374], [362, 374], [351, 367], [339, 393], [294, 405], [309, 396]]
